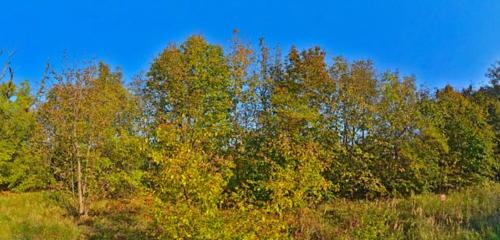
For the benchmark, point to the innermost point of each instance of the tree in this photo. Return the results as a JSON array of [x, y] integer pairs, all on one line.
[[469, 137], [488, 97], [192, 94], [351, 118], [494, 74], [20, 167], [87, 118], [293, 148], [395, 135]]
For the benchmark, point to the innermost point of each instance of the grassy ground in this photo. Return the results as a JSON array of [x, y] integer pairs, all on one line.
[[34, 216], [52, 215], [468, 214], [119, 219], [473, 213]]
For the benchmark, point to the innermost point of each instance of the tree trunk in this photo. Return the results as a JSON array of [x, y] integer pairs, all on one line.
[[81, 206], [72, 167], [85, 184]]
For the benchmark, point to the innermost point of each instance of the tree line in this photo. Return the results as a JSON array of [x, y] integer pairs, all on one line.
[[233, 142]]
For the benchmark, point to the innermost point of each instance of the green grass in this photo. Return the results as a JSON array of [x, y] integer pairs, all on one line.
[[473, 213], [34, 216]]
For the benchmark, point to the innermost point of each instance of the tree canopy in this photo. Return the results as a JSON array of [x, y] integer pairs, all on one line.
[[233, 143]]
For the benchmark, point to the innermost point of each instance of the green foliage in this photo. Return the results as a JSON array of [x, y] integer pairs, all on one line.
[[193, 118], [470, 158], [488, 97], [297, 159], [88, 134], [351, 116], [394, 137], [291, 134], [20, 169]]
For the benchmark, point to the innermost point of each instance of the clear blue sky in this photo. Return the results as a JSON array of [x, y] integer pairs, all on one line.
[[439, 41]]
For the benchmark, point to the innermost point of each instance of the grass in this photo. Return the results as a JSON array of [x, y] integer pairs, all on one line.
[[120, 219], [52, 215], [472, 213], [34, 216]]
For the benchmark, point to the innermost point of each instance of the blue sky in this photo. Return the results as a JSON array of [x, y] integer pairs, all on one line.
[[439, 41]]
